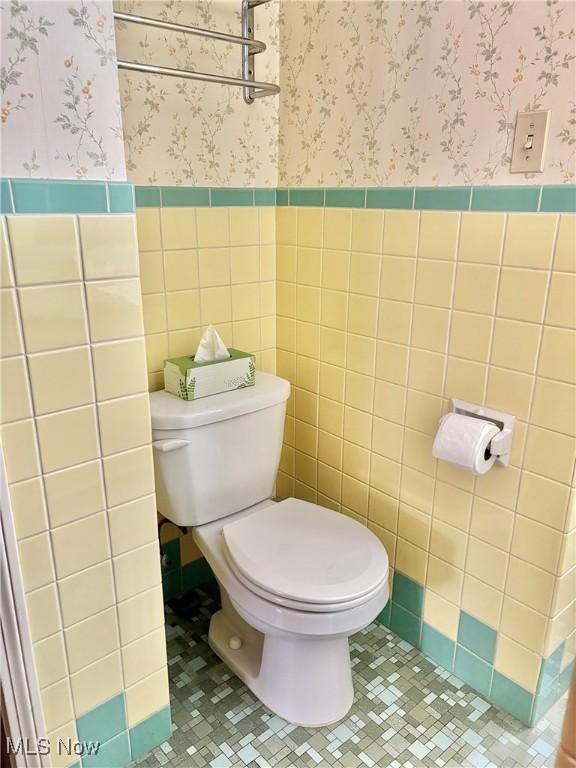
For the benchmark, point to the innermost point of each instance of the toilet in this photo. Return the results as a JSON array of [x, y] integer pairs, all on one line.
[[296, 579]]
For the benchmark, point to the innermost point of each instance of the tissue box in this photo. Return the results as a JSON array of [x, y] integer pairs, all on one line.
[[190, 380]]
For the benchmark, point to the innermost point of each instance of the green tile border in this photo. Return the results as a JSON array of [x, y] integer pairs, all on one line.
[[471, 656], [69, 196], [505, 198]]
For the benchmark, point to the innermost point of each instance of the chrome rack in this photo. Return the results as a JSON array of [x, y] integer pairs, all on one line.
[[252, 88]]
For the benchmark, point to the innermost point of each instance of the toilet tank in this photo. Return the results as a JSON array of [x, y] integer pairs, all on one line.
[[220, 454]]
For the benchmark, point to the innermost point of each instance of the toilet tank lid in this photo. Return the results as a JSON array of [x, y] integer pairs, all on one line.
[[170, 412]]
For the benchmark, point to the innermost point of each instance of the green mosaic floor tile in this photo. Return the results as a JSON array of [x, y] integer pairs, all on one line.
[[406, 712]]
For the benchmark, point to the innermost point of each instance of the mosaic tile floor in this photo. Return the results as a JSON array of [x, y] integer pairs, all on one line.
[[407, 712]]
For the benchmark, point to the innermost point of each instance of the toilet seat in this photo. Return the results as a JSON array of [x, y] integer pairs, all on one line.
[[303, 556]]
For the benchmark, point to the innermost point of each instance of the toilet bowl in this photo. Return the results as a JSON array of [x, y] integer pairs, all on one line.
[[289, 607], [296, 579]]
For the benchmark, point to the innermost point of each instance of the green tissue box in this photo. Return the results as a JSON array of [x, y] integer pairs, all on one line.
[[190, 381]]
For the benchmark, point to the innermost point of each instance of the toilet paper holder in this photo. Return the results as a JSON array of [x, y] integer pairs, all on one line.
[[501, 444]]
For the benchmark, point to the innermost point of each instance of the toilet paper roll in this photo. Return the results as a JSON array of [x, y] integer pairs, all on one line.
[[464, 441]]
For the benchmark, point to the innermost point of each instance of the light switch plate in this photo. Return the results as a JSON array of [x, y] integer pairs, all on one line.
[[530, 138]]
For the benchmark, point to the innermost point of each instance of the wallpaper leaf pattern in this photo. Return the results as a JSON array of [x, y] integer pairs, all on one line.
[[60, 101], [186, 132], [373, 92], [395, 93]]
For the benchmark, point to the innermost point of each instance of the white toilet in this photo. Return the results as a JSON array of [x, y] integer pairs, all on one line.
[[296, 579]]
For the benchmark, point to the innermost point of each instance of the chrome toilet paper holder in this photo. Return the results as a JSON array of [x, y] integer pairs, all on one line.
[[501, 444]]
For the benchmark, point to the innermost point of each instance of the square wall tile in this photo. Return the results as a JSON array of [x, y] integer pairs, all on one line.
[[124, 423], [86, 593], [397, 278], [104, 721], [364, 273], [550, 454], [477, 637], [43, 613], [90, 640], [178, 229], [411, 559], [132, 525], [530, 585], [150, 732], [80, 545], [137, 570], [61, 380], [522, 294], [517, 663], [114, 309], [53, 317], [486, 563], [401, 233], [481, 237], [20, 451], [35, 558], [56, 704], [141, 614], [476, 287], [444, 579], [50, 659], [529, 240], [437, 647], [337, 228], [492, 523], [213, 228], [470, 336], [543, 500], [67, 438], [6, 276], [129, 475], [147, 697], [15, 403], [524, 625], [473, 670], [558, 354], [438, 234], [120, 369], [28, 508], [96, 683], [144, 656], [441, 615], [430, 328], [434, 280], [74, 493], [481, 601], [109, 246], [536, 543], [44, 249], [244, 227], [515, 345], [554, 406], [512, 697]]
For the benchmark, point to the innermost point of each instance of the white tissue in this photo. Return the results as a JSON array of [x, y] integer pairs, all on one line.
[[211, 347], [464, 441]]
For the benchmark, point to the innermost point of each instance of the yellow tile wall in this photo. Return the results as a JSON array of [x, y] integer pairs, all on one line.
[[382, 317], [207, 265], [75, 431]]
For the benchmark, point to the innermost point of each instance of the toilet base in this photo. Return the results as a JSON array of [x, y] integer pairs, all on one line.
[[306, 681]]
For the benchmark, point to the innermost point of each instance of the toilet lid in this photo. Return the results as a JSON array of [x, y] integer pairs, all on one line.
[[306, 553]]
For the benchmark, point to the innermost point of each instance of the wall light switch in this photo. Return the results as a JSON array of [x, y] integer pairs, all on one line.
[[530, 139]]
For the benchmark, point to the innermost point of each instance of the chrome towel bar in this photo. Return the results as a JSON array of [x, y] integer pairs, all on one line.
[[250, 47]]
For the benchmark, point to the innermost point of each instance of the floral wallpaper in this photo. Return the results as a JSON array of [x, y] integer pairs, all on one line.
[[59, 90], [399, 93], [185, 132]]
